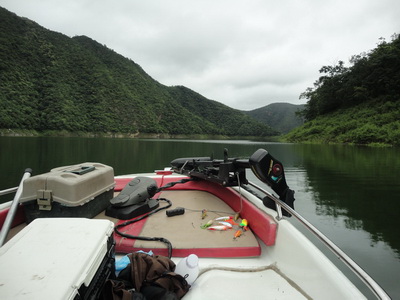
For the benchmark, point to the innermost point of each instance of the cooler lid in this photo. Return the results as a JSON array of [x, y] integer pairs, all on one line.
[[51, 258]]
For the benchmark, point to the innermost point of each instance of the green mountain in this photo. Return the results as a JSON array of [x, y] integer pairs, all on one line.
[[359, 104], [282, 117], [50, 82]]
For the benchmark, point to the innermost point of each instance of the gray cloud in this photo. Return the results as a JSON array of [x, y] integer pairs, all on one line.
[[245, 54]]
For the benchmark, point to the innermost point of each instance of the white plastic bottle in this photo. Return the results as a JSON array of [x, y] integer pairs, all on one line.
[[188, 267]]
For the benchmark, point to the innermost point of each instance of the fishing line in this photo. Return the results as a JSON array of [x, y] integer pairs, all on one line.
[[237, 213], [240, 193]]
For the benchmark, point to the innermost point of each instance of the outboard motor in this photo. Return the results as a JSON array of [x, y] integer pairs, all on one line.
[[231, 172]]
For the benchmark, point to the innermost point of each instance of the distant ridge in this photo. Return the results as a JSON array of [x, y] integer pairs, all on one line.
[[52, 83], [280, 116]]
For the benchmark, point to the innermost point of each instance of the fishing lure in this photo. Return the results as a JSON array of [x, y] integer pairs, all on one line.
[[237, 234], [224, 218], [244, 224], [225, 224], [231, 221], [203, 213], [208, 224], [218, 227]]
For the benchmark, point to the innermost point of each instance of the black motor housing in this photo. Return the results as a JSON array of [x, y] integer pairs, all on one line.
[[134, 200]]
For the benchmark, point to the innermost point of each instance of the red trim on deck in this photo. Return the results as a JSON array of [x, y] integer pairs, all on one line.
[[18, 219], [120, 183], [164, 172], [126, 247]]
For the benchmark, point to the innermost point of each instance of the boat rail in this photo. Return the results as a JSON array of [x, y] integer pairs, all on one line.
[[351, 264], [13, 208], [8, 191]]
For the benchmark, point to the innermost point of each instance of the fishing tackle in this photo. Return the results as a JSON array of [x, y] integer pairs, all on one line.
[[237, 234], [244, 224], [225, 224], [224, 218], [208, 224], [218, 227], [203, 213], [231, 221]]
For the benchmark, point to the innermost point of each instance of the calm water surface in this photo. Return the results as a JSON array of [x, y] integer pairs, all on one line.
[[351, 194]]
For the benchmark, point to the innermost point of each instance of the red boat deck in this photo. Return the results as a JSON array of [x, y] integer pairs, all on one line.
[[185, 232]]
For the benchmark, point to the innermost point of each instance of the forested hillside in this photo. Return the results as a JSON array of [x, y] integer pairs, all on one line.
[[358, 104], [280, 116], [50, 82]]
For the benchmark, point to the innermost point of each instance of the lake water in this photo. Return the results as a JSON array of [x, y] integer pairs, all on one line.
[[351, 194]]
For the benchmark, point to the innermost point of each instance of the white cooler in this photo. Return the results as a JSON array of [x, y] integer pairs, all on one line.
[[56, 258]]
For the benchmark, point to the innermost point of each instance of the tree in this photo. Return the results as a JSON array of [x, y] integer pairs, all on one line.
[[373, 75]]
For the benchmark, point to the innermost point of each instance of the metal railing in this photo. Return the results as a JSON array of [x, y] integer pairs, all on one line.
[[8, 191], [13, 208], [351, 264]]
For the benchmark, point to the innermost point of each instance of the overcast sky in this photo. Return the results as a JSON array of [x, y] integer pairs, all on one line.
[[243, 53]]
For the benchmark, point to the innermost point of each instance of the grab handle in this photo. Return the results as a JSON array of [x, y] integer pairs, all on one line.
[[13, 209]]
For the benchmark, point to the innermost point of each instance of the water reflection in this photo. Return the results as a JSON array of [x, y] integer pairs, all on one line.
[[358, 183]]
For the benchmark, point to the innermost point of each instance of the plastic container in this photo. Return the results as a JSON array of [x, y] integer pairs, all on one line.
[[77, 191], [58, 259], [188, 267]]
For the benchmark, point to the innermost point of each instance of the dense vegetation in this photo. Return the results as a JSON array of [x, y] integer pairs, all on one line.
[[371, 122], [50, 82], [280, 116], [358, 104]]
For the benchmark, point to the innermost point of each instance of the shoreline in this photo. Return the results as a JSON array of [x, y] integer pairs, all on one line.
[[34, 133]]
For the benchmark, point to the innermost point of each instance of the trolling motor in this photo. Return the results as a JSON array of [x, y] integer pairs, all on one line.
[[227, 172], [231, 172]]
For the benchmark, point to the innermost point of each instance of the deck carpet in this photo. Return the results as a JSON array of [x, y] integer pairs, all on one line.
[[185, 232]]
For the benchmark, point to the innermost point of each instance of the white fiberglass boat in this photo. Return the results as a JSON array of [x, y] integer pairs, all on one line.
[[240, 233]]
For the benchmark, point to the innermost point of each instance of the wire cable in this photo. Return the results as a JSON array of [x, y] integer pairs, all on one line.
[[143, 238]]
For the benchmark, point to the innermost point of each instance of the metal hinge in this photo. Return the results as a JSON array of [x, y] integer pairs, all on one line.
[[44, 199]]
